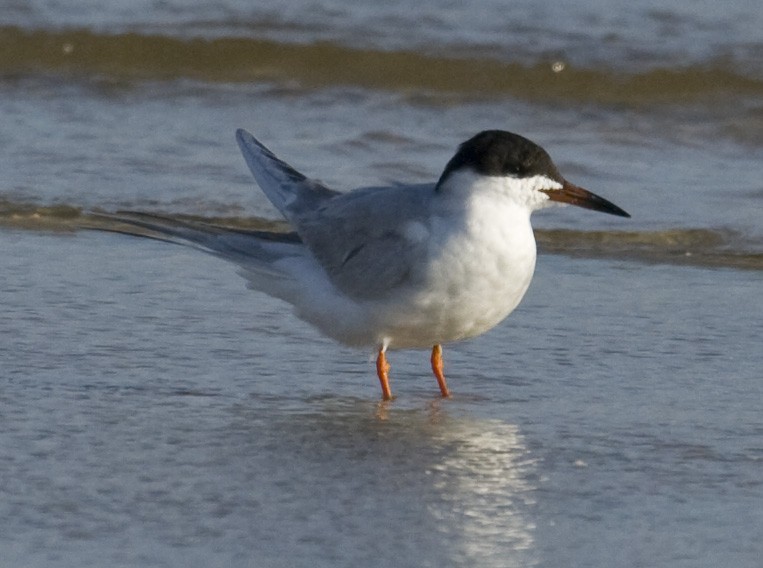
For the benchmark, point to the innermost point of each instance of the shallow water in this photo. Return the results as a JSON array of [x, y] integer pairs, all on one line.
[[156, 412], [185, 419]]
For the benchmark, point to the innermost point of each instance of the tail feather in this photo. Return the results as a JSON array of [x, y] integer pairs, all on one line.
[[268, 260], [227, 242], [250, 249], [272, 262]]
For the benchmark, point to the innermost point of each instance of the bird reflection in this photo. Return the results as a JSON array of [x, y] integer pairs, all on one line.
[[485, 491]]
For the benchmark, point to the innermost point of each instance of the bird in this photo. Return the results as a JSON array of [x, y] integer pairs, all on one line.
[[400, 266]]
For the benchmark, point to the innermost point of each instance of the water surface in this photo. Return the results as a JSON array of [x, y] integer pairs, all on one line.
[[157, 413]]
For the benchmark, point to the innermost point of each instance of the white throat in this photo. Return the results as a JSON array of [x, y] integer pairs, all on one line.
[[523, 192], [482, 258]]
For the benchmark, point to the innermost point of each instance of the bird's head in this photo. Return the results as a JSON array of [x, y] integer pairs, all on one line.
[[527, 168]]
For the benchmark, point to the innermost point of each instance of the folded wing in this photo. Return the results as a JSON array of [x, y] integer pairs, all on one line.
[[291, 192]]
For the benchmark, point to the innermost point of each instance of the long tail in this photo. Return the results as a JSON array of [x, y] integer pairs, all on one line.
[[227, 242], [268, 260]]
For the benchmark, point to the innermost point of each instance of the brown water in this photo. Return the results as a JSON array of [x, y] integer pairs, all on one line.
[[137, 56]]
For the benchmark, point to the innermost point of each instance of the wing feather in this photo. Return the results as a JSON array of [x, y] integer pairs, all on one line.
[[290, 191], [362, 244], [365, 247]]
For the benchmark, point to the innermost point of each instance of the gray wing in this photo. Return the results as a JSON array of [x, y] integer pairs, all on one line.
[[291, 192], [371, 241], [361, 238]]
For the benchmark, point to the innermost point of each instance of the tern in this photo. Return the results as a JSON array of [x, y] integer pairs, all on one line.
[[396, 267]]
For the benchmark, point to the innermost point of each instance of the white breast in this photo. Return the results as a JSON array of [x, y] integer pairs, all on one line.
[[481, 262]]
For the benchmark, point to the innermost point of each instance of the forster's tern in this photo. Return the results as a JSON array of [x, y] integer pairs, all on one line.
[[406, 266]]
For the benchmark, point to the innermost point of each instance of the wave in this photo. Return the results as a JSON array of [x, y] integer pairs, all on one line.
[[700, 247], [138, 57], [721, 248]]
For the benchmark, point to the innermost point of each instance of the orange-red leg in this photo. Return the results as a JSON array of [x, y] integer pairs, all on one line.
[[382, 370], [437, 369]]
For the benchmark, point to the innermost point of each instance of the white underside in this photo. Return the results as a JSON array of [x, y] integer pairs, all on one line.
[[479, 261]]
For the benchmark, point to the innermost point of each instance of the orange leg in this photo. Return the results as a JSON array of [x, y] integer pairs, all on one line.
[[437, 369], [382, 369]]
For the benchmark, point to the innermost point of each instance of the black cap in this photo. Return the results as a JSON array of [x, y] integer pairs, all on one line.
[[501, 153]]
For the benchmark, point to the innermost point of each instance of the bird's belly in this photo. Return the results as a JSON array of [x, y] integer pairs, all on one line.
[[466, 294], [468, 282]]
